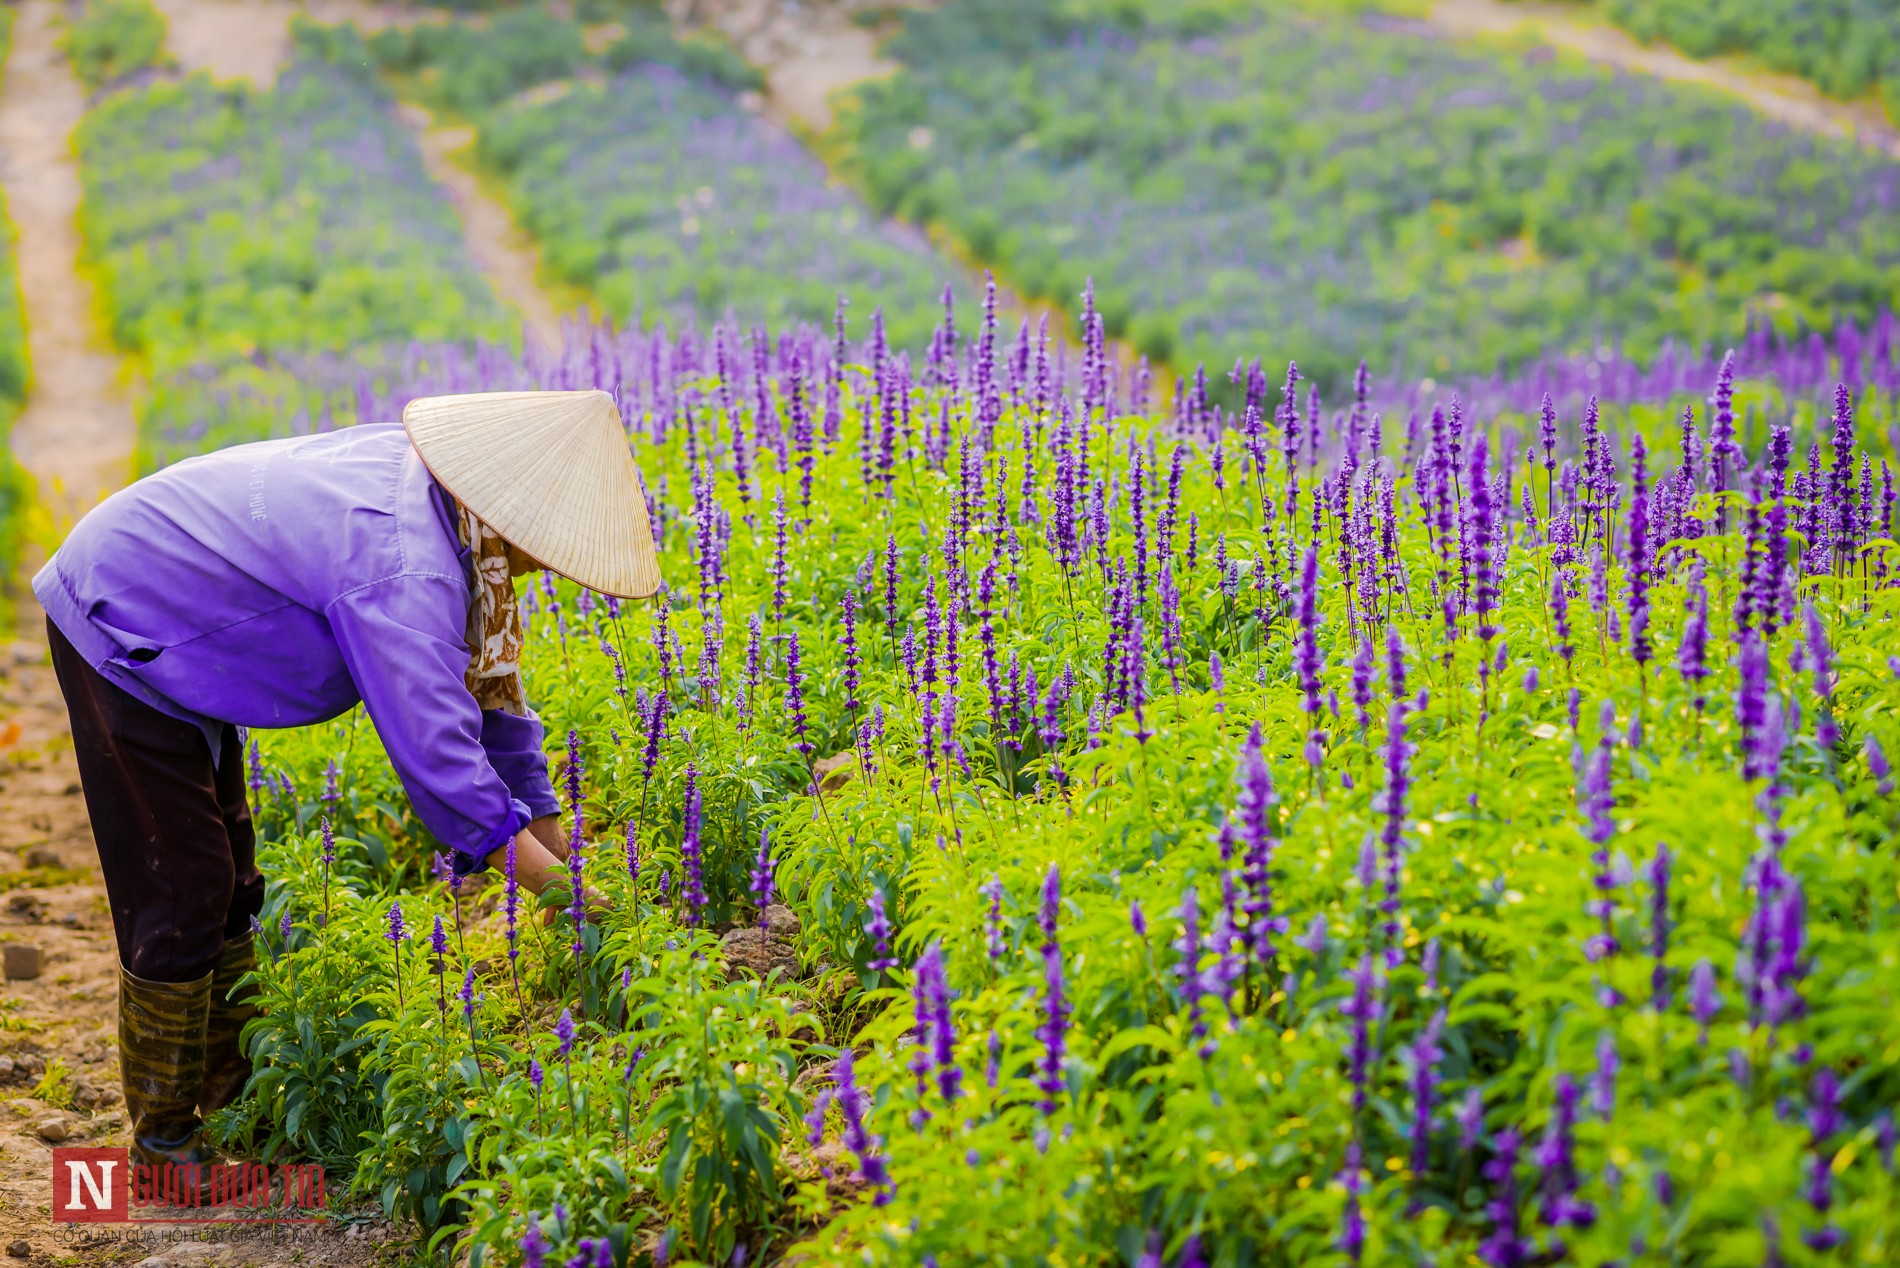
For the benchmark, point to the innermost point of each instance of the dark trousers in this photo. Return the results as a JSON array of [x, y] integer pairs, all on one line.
[[173, 831]]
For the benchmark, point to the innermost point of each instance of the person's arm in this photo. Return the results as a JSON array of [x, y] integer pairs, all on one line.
[[514, 747], [402, 642], [535, 864]]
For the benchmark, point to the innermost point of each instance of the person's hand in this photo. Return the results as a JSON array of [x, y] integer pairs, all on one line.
[[536, 868]]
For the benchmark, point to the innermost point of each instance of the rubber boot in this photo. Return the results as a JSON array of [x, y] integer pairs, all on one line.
[[227, 1069], [162, 1066]]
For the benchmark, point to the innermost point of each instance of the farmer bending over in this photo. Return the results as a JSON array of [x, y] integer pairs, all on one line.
[[276, 585]]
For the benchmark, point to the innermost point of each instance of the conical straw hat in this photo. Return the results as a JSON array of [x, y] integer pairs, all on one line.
[[551, 473]]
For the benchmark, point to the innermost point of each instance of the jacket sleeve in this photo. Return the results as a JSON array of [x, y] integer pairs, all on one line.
[[514, 750], [402, 640]]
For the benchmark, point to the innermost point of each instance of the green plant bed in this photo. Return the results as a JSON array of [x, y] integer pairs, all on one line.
[[245, 240]]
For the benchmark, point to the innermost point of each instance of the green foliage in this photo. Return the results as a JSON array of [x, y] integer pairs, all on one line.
[[678, 1113], [1847, 48], [1304, 186], [111, 40], [245, 240]]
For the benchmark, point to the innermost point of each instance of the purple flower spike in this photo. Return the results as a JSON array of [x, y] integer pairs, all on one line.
[[1555, 1156], [878, 929], [1053, 1032], [1506, 1247], [1704, 1001]]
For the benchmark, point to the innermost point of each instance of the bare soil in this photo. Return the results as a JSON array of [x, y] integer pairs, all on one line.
[[1783, 98], [807, 49]]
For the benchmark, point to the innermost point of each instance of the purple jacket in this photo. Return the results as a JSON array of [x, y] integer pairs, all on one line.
[[275, 585]]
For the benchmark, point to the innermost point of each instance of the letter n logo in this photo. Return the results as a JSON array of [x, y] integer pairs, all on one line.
[[89, 1185]]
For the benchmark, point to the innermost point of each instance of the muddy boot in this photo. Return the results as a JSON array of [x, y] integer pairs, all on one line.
[[162, 1065], [226, 1067]]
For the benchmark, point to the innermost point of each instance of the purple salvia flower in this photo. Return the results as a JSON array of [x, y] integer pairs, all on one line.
[[852, 1103], [1352, 1234], [1362, 669], [1506, 1247], [1308, 662], [878, 929], [1821, 662], [1483, 528], [1365, 1010], [1555, 1156], [1603, 1082], [656, 731], [993, 920], [1053, 1032], [1423, 1058], [1256, 805], [1704, 1001], [1391, 804], [1314, 940], [762, 887], [1657, 873], [1692, 655], [1193, 982], [1051, 907], [933, 989], [692, 854], [795, 693], [1637, 558], [1877, 765], [1470, 1115], [848, 612], [534, 1245]]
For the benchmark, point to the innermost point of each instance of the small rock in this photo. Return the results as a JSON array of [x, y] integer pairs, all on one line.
[[782, 921], [7, 1068], [44, 856], [29, 1065], [751, 950], [24, 905], [52, 1129], [24, 962], [73, 790], [87, 1096], [25, 653], [20, 1248]]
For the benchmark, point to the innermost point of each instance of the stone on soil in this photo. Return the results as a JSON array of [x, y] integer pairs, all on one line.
[[24, 961]]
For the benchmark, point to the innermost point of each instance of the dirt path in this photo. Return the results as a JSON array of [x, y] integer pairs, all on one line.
[[1783, 98], [806, 49], [75, 437], [497, 245], [76, 433]]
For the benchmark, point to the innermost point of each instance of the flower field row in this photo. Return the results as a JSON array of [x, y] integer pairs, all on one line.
[[1236, 180], [108, 41], [244, 240], [1847, 48], [1033, 831], [645, 182]]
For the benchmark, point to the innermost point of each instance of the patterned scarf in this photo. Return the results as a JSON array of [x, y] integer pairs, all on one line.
[[494, 622]]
